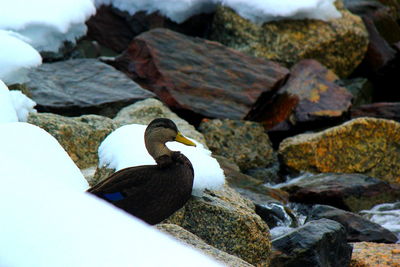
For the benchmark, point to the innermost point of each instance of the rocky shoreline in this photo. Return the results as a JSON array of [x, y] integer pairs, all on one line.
[[314, 99]]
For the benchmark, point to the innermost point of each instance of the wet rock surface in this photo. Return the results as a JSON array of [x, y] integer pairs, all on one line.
[[340, 43], [364, 145], [353, 192], [317, 243], [358, 229], [80, 86], [243, 142], [383, 110], [234, 80]]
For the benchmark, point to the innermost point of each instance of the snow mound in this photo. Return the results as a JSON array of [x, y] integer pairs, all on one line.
[[7, 111], [258, 11], [37, 154], [47, 219], [46, 22], [125, 148], [16, 57], [23, 105]]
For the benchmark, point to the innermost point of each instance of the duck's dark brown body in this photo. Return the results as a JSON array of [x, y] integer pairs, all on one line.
[[152, 192]]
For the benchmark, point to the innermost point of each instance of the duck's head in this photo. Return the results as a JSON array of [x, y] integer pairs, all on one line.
[[160, 131]]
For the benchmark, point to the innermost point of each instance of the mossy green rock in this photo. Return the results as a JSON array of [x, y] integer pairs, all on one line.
[[227, 221], [79, 136], [339, 44], [364, 145]]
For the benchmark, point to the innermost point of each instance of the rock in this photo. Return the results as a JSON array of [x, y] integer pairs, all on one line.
[[244, 142], [204, 79], [364, 145], [338, 43], [143, 112], [225, 220], [269, 174], [79, 86], [366, 254], [360, 88], [309, 96], [352, 192], [358, 229], [190, 239], [79, 136], [317, 243], [383, 110]]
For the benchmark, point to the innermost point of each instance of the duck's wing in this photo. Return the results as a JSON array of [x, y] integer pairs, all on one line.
[[124, 180]]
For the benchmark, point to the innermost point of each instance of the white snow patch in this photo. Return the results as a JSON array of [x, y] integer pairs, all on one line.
[[125, 148], [46, 22], [7, 111], [14, 105], [47, 219], [258, 11], [16, 57], [37, 154]]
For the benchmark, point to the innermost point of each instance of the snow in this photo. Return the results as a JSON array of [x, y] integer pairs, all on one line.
[[125, 148], [14, 105], [48, 219], [258, 11], [46, 23], [16, 56]]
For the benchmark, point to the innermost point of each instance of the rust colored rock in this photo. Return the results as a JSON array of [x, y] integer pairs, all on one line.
[[383, 110], [201, 76], [364, 145], [366, 254], [310, 95]]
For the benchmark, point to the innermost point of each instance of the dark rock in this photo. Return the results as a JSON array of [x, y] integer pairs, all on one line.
[[244, 142], [317, 243], [360, 88], [357, 228], [310, 96], [353, 192], [81, 86], [339, 43], [384, 110], [115, 28], [200, 76], [276, 214], [269, 174]]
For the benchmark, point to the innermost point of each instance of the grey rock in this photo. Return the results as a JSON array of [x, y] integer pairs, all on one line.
[[358, 229], [317, 243], [196, 242], [81, 86]]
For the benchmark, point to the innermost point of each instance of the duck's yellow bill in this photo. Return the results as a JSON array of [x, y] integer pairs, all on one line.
[[181, 139]]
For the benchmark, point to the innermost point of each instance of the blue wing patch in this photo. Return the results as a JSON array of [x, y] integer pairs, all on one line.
[[114, 196]]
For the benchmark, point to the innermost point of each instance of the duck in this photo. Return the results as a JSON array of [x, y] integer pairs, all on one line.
[[152, 193]]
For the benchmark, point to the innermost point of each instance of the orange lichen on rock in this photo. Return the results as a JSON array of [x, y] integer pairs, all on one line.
[[366, 254]]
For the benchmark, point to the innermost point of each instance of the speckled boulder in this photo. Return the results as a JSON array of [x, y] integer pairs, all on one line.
[[339, 44], [79, 136], [244, 142], [196, 242], [364, 145], [227, 221], [143, 112], [366, 254]]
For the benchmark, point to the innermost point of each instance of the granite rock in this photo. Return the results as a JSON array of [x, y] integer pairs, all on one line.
[[79, 136], [367, 254], [339, 44], [364, 145], [194, 241]]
